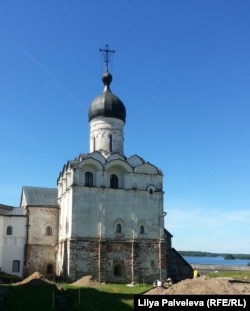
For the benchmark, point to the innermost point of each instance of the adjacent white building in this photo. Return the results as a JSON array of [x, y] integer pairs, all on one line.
[[12, 239]]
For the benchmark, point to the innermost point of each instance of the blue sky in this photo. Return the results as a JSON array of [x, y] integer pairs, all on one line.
[[181, 67]]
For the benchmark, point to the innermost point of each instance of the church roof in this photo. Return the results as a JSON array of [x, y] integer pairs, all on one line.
[[107, 104], [37, 196], [7, 210]]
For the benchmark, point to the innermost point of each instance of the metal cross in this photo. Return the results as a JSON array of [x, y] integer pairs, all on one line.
[[106, 54]]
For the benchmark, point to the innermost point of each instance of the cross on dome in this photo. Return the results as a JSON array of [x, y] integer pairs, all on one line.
[[107, 55]]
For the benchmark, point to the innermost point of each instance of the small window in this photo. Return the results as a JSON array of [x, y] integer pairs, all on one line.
[[110, 143], [16, 266], [118, 228], [113, 181], [142, 229], [88, 179], [151, 189], [48, 230], [9, 230]]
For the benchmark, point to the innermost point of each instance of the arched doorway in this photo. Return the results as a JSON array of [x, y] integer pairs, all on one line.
[[118, 270]]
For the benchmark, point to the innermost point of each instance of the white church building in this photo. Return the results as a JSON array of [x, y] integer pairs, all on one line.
[[104, 219]]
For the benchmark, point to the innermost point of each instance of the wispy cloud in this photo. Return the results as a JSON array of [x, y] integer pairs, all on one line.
[[43, 68]]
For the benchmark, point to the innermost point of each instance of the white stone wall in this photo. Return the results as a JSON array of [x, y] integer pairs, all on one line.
[[12, 246], [92, 213], [65, 225], [1, 240], [65, 215], [101, 128], [98, 211]]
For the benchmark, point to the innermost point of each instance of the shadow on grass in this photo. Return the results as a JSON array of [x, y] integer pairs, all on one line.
[[46, 298], [95, 300]]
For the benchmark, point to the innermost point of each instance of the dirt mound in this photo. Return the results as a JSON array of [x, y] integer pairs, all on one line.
[[87, 280], [35, 279], [205, 285]]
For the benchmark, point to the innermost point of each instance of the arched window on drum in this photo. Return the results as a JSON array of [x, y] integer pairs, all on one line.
[[113, 181], [89, 179]]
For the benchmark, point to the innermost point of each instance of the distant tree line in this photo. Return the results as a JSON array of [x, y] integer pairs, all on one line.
[[198, 254], [207, 254]]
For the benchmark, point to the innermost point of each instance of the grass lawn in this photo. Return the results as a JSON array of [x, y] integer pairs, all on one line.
[[238, 275], [109, 297]]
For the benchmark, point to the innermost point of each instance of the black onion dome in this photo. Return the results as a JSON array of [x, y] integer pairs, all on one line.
[[107, 104]]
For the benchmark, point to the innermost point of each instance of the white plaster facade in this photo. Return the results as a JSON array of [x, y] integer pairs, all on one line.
[[12, 242], [104, 131]]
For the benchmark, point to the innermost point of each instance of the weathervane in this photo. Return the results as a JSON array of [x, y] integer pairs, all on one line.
[[106, 54]]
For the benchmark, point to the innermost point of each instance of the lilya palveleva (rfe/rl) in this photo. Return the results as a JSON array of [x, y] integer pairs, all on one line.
[[160, 302]]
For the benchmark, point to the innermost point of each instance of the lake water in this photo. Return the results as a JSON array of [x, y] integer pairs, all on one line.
[[195, 260]]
